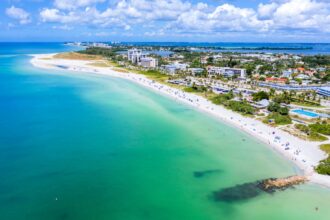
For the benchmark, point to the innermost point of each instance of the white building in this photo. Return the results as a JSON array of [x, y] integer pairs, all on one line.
[[148, 62], [195, 71], [226, 71], [287, 73], [134, 55], [174, 67]]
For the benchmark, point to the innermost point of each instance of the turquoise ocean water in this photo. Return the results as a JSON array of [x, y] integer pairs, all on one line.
[[77, 146]]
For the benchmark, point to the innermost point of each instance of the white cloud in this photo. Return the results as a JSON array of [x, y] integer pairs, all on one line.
[[54, 15], [183, 17], [265, 11], [73, 4], [302, 14], [285, 15], [18, 14]]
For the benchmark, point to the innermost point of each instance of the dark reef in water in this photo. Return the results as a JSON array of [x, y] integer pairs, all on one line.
[[237, 193], [250, 190], [199, 174]]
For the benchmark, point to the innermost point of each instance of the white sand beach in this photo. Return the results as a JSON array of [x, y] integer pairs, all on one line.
[[306, 155]]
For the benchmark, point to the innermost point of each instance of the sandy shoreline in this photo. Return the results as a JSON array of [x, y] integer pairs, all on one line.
[[304, 154]]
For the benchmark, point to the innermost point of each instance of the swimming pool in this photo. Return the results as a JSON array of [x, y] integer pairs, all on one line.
[[305, 113]]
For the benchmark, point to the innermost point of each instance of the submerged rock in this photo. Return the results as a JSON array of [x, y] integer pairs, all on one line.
[[238, 192], [250, 190]]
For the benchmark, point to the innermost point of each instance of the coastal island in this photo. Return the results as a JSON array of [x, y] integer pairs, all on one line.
[[283, 111]]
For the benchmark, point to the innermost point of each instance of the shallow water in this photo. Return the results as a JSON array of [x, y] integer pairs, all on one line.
[[75, 146]]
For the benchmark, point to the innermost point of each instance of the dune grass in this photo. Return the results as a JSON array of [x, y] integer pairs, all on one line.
[[77, 56]]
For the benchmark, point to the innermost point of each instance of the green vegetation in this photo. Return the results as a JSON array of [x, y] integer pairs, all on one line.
[[312, 133], [260, 96], [302, 128], [283, 98], [106, 52], [322, 128], [317, 60], [153, 74], [326, 148], [238, 106], [314, 136], [275, 107], [278, 119], [195, 89], [243, 107], [324, 166], [222, 98]]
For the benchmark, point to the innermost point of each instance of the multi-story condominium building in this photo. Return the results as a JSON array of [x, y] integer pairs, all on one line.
[[226, 71], [134, 55], [148, 62], [174, 67]]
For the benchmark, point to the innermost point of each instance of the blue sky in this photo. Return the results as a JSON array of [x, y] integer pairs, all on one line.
[[166, 20]]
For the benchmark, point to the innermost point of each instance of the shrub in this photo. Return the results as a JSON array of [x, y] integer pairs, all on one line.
[[260, 96], [303, 128], [220, 99], [273, 107], [324, 167], [283, 111], [243, 107], [280, 119], [276, 107]]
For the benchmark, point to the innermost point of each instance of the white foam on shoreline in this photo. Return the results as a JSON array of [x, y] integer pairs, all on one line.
[[306, 155]]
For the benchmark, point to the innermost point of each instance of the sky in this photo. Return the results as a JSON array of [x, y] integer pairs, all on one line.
[[165, 20]]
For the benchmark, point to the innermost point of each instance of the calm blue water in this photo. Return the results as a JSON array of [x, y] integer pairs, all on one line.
[[33, 48], [84, 147], [295, 48]]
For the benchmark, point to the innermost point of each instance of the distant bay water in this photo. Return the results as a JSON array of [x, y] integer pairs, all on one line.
[[293, 48], [81, 147]]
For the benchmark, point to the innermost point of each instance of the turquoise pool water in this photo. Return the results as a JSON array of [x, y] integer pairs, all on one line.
[[306, 113]]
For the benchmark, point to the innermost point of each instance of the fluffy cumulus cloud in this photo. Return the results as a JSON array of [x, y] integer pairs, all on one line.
[[19, 14], [182, 16]]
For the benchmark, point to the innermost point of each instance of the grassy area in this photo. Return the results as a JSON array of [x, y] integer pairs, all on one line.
[[325, 148], [324, 166], [77, 56], [312, 133], [100, 64], [307, 104], [152, 74], [322, 128], [121, 70], [278, 119], [314, 136], [195, 89], [221, 98]]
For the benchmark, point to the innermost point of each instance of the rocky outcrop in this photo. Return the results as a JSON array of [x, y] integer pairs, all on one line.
[[273, 184], [253, 189]]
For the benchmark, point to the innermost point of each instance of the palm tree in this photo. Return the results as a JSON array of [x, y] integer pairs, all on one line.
[[272, 92]]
